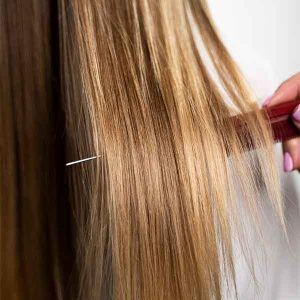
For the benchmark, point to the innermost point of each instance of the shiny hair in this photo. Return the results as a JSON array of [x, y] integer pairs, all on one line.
[[143, 85]]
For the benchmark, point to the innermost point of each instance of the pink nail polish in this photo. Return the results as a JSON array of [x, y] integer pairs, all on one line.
[[288, 164], [296, 114], [267, 100]]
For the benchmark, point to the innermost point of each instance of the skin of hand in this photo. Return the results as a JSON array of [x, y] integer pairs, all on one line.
[[289, 90]]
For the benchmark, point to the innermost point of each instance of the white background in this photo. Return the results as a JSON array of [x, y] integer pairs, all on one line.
[[271, 28]]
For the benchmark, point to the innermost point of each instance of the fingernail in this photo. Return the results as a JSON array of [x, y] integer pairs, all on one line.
[[288, 164], [296, 114], [267, 100]]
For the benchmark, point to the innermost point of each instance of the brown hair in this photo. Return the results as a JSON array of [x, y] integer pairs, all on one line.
[[36, 248], [154, 213]]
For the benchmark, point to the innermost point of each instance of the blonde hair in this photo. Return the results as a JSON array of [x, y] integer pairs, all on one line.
[[154, 214]]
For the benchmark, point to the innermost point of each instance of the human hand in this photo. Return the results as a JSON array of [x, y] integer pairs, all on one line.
[[289, 90]]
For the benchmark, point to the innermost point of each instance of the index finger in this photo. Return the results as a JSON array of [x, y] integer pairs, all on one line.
[[287, 91]]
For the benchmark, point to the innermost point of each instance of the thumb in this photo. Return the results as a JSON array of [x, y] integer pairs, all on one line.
[[296, 116], [291, 148]]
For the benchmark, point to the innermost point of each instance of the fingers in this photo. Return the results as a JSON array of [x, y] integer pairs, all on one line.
[[291, 148], [287, 91], [296, 117], [291, 157]]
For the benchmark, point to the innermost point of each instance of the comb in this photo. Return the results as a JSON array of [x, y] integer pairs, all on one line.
[[279, 117]]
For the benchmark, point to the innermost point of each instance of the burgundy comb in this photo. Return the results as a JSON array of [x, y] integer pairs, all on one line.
[[280, 118]]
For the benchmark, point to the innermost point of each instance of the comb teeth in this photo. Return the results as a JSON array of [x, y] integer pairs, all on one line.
[[281, 122]]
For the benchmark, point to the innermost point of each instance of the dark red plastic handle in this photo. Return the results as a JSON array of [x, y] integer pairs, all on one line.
[[280, 118]]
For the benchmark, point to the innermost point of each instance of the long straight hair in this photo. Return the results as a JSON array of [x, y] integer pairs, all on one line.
[[142, 84], [36, 254]]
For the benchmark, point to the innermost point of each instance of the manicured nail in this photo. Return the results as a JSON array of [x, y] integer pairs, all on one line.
[[267, 100], [296, 114], [288, 164]]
